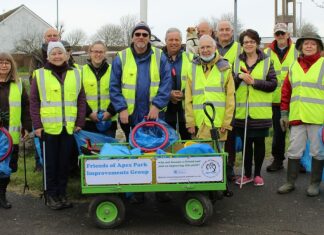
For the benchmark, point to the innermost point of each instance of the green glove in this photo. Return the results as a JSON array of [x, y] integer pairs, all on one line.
[[284, 121]]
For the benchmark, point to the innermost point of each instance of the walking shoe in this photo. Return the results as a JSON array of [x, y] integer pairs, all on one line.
[[258, 181], [4, 202], [246, 180], [275, 166]]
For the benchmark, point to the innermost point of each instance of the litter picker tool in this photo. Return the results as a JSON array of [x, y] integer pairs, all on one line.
[[245, 127], [213, 131]]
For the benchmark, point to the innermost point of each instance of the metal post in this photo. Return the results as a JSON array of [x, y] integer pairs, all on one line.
[[57, 15], [235, 20], [143, 11]]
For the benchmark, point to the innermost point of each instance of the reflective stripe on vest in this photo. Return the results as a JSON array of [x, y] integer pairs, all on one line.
[[129, 76], [209, 89], [58, 101], [260, 102], [307, 97], [281, 68], [15, 93]]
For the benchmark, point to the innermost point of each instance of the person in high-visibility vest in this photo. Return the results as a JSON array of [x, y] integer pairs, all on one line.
[[255, 81], [302, 108], [39, 59], [180, 62], [14, 101], [140, 82], [95, 79], [210, 80], [283, 53], [230, 50], [57, 108]]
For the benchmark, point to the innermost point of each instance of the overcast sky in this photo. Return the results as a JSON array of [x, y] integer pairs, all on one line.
[[91, 15]]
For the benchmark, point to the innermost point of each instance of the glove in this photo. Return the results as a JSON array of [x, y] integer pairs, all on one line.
[[284, 122]]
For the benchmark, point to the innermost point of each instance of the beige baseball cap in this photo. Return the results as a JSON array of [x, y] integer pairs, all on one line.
[[280, 27]]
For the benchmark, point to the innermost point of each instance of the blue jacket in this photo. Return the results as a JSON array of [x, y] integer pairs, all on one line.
[[142, 99], [175, 109]]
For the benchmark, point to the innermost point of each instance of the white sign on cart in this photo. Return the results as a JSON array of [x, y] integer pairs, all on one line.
[[118, 171], [191, 169]]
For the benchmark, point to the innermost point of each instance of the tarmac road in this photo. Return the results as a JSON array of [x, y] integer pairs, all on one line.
[[250, 211]]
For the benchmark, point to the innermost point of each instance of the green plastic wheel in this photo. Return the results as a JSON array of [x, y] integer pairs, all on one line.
[[107, 211], [197, 208], [194, 209]]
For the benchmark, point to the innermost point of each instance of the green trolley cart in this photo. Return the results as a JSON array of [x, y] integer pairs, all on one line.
[[201, 176]]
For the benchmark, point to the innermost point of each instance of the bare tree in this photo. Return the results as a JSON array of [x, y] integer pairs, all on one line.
[[306, 28], [127, 23], [60, 28], [29, 42], [76, 37], [111, 35], [320, 5]]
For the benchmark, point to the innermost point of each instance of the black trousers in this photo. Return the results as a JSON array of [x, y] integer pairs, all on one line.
[[3, 185], [57, 160], [230, 147], [183, 131], [255, 146], [279, 137]]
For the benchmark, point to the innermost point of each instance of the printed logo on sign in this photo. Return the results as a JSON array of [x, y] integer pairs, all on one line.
[[211, 168]]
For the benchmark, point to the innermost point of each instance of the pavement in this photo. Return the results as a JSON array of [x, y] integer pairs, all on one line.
[[252, 210]]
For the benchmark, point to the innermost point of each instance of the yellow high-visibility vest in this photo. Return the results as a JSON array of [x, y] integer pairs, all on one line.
[[97, 92], [129, 76], [260, 102], [58, 102], [15, 93], [232, 53], [209, 89], [307, 97], [281, 68]]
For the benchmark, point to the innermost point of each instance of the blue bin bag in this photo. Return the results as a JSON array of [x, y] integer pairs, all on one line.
[[38, 149], [110, 151], [96, 138], [153, 137], [196, 149], [102, 126], [5, 170], [306, 159], [238, 144]]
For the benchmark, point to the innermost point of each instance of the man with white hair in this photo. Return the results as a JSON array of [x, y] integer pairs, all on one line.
[[179, 61], [204, 28], [230, 50], [210, 80]]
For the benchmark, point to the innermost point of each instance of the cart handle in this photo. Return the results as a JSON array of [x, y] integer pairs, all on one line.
[[212, 117]]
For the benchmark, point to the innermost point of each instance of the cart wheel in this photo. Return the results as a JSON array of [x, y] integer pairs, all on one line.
[[197, 208], [107, 211]]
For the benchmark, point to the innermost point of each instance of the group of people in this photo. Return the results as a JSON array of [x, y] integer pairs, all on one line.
[[251, 90]]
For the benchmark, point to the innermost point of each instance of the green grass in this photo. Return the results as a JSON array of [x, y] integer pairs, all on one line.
[[35, 180]]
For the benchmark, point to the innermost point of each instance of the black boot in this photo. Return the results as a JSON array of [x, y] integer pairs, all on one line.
[[316, 178], [65, 202], [54, 203], [3, 189], [292, 173]]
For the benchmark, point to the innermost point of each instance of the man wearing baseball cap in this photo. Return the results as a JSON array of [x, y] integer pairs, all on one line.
[[283, 53]]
